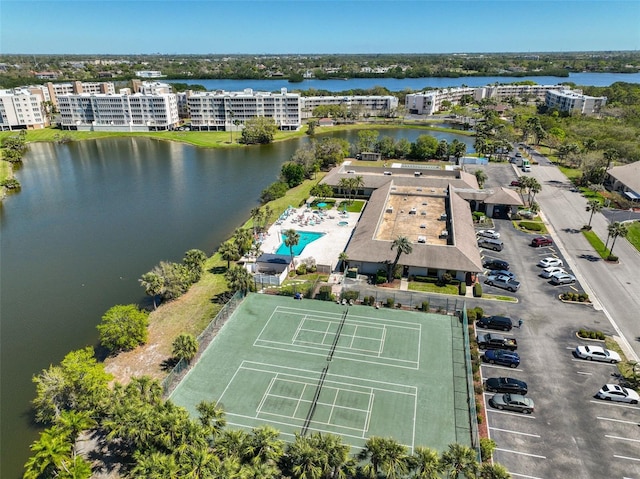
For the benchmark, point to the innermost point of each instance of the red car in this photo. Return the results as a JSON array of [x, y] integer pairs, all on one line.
[[515, 183], [541, 241]]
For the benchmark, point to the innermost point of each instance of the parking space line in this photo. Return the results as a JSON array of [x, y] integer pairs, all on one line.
[[626, 457], [514, 432], [609, 403], [595, 363], [617, 420], [584, 372], [622, 438], [524, 475], [520, 453], [489, 365], [498, 411]]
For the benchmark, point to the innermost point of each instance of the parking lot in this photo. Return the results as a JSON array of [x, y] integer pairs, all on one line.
[[570, 434]]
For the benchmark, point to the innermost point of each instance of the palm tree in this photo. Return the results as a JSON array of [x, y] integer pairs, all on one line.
[[357, 183], [153, 286], [74, 422], [617, 229], [291, 239], [48, 453], [212, 417], [185, 346], [228, 252], [306, 461], [268, 211], [426, 463], [458, 460], [264, 445], [343, 258], [231, 442], [339, 463], [386, 455], [256, 218], [534, 187], [243, 239], [345, 186], [403, 246], [481, 177], [194, 260], [239, 279], [594, 206]]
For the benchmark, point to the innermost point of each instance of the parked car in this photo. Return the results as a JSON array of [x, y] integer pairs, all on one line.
[[496, 264], [495, 322], [512, 402], [504, 282], [541, 241], [550, 261], [489, 243], [563, 278], [501, 357], [489, 234], [515, 183], [551, 271], [506, 385], [496, 341], [597, 353], [501, 272], [614, 392]]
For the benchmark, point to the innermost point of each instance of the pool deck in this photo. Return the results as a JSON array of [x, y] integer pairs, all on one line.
[[324, 250]]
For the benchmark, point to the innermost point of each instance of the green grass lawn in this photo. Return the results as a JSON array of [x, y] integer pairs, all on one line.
[[589, 194], [531, 226], [634, 234], [432, 288], [596, 243]]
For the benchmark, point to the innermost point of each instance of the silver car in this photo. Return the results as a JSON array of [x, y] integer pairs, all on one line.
[[563, 278], [552, 271], [512, 402], [614, 392], [597, 353]]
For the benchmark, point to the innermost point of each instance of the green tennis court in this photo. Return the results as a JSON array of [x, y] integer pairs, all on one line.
[[355, 371]]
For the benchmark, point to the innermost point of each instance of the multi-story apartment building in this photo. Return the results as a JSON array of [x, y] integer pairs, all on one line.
[[21, 108], [430, 102], [150, 109], [366, 105], [574, 102], [222, 110]]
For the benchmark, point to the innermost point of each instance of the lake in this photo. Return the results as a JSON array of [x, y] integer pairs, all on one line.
[[396, 84], [91, 218]]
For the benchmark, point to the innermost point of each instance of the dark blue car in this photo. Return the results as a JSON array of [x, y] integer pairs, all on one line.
[[502, 357]]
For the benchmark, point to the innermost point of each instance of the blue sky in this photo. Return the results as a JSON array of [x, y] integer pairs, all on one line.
[[320, 26]]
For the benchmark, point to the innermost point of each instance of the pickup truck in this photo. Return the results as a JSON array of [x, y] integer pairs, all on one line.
[[496, 341]]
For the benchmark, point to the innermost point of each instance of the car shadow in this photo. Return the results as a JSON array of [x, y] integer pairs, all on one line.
[[589, 257]]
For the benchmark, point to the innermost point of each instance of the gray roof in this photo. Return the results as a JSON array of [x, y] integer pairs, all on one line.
[[503, 196], [463, 255], [628, 175]]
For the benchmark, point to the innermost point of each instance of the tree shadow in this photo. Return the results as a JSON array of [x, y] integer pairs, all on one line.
[[168, 364], [222, 298], [218, 270]]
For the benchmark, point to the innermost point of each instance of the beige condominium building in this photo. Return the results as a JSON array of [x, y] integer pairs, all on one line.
[[22, 108], [574, 102]]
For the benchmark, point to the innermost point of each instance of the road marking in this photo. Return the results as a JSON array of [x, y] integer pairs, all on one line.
[[515, 432], [519, 414], [583, 372], [524, 475], [616, 420], [621, 438], [521, 453], [609, 403], [626, 457], [586, 361], [499, 367]]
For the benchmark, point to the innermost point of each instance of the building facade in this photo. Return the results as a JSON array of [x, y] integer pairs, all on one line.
[[22, 109], [364, 105], [574, 102]]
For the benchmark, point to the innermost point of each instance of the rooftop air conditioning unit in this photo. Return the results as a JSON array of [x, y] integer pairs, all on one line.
[[444, 234]]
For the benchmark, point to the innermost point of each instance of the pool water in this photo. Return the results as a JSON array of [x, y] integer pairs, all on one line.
[[306, 237]]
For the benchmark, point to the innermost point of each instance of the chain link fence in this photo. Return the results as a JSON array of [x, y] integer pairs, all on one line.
[[204, 339]]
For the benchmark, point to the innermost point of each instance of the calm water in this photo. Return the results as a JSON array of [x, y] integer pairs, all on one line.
[[91, 218], [395, 84]]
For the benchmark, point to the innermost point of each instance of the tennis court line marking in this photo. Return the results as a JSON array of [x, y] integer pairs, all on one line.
[[266, 368], [352, 318]]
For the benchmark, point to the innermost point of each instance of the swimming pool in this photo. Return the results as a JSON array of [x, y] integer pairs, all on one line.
[[306, 237]]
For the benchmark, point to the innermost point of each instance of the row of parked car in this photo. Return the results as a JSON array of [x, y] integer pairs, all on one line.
[[608, 392], [510, 393]]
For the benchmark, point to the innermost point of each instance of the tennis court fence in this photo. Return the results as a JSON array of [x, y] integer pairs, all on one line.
[[204, 339]]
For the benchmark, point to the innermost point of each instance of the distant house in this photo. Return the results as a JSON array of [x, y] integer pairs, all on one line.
[[326, 122], [369, 156], [624, 179]]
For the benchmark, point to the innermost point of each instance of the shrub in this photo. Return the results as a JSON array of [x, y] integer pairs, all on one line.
[[487, 446], [479, 418], [425, 306], [351, 295], [463, 289], [390, 302], [372, 300], [426, 279], [479, 311], [365, 300], [302, 269], [123, 327], [381, 279], [531, 225], [324, 293], [446, 278], [612, 257], [477, 290], [471, 316], [583, 297]]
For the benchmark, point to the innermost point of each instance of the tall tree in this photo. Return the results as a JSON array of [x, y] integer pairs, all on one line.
[[426, 463], [194, 260], [291, 239], [229, 252], [239, 279], [123, 327], [212, 417], [402, 245], [593, 206], [153, 286], [49, 452], [481, 177], [615, 230]]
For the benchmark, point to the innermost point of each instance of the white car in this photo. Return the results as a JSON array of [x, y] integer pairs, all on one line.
[[550, 261], [597, 353], [563, 278], [552, 271], [489, 234], [613, 392]]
